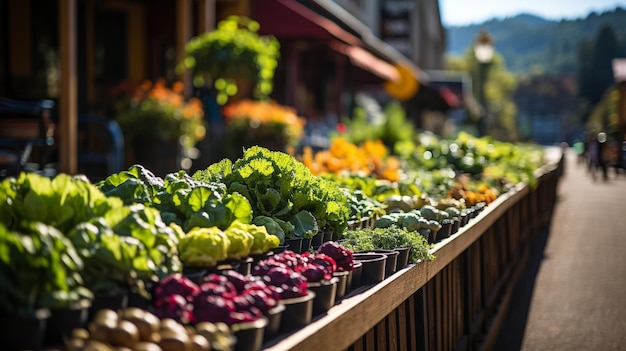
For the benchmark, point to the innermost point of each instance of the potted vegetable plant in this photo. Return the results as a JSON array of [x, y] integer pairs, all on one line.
[[263, 123], [285, 197], [159, 123], [40, 275], [233, 59]]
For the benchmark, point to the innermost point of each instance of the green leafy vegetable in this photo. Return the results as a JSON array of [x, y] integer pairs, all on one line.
[[39, 267], [283, 189]]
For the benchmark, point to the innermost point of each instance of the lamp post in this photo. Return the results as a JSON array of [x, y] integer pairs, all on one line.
[[483, 51], [619, 72]]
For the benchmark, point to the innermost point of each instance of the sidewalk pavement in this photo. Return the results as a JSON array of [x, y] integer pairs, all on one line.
[[573, 293]]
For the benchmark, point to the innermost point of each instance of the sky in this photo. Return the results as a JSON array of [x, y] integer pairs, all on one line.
[[463, 12]]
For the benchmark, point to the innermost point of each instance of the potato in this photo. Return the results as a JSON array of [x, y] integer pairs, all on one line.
[[147, 346], [168, 324], [200, 343], [173, 341], [125, 334], [94, 345], [146, 322]]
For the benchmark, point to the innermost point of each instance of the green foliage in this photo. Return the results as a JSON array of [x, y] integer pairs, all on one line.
[[179, 198], [231, 56], [363, 206], [280, 187], [390, 127], [595, 74], [39, 267], [127, 246], [117, 245], [436, 162], [388, 238], [61, 202], [604, 116], [500, 86]]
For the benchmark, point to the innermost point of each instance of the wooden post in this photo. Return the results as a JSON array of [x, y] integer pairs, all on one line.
[[68, 101], [206, 16], [183, 34]]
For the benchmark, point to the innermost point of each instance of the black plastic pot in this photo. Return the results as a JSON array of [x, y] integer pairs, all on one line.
[[342, 284], [306, 245], [374, 265], [249, 335], [245, 266], [429, 235], [294, 244], [445, 231], [274, 317], [354, 278], [317, 240], [329, 235], [456, 225], [392, 261], [298, 312], [63, 320], [403, 257], [325, 295], [465, 216], [24, 332], [114, 300], [195, 274]]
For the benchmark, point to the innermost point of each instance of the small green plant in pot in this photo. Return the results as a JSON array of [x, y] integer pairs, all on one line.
[[233, 59], [368, 239]]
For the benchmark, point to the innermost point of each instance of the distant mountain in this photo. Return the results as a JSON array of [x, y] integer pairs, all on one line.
[[529, 42]]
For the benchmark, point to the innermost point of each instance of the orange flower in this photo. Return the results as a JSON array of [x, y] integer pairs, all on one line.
[[265, 117], [371, 158], [155, 109]]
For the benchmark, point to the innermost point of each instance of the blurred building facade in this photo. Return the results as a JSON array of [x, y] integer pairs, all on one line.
[[75, 52]]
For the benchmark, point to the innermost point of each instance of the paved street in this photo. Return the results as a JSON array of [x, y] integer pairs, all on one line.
[[573, 295]]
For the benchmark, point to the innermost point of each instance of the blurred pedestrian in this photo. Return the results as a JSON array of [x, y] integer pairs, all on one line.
[[592, 156], [601, 156], [579, 148]]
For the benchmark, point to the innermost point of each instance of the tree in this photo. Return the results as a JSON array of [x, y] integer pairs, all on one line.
[[595, 73], [500, 85]]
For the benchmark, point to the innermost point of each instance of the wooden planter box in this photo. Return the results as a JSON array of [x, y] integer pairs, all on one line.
[[456, 301]]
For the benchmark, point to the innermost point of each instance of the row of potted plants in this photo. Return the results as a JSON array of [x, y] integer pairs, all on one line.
[[132, 229]]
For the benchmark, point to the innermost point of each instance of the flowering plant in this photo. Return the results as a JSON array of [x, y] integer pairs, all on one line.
[[258, 121], [153, 109]]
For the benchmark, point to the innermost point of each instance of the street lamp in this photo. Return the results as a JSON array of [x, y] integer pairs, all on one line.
[[483, 51]]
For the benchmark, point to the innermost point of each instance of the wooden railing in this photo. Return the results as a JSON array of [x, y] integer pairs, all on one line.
[[454, 302]]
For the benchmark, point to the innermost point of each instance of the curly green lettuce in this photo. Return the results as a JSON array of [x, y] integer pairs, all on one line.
[[203, 247]]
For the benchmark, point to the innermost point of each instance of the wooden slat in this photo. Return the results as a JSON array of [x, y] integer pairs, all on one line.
[[370, 340], [381, 335], [403, 326], [392, 330]]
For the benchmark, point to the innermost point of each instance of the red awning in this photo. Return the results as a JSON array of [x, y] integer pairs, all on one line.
[[290, 19], [363, 59]]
